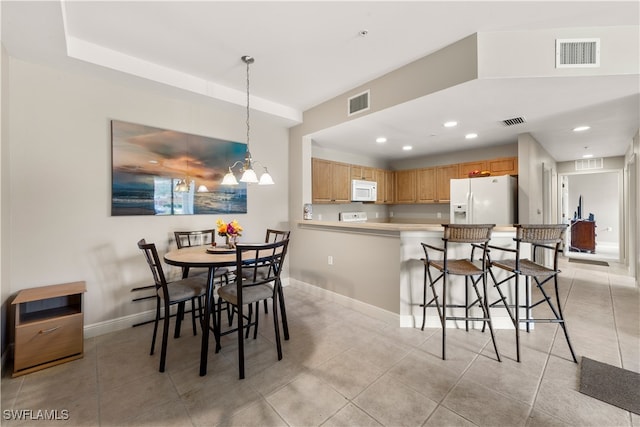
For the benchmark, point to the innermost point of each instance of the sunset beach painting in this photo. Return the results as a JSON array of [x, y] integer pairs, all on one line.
[[148, 163]]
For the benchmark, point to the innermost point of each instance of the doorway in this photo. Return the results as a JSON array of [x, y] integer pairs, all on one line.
[[591, 203]]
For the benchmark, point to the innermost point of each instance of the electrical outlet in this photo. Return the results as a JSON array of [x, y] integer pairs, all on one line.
[[376, 214], [439, 215], [330, 260], [391, 214], [319, 217]]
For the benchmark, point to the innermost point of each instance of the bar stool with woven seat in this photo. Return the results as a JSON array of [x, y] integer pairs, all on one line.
[[544, 239], [473, 271]]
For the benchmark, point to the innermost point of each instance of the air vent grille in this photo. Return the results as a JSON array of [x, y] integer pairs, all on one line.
[[588, 164], [514, 121], [577, 53], [358, 103]]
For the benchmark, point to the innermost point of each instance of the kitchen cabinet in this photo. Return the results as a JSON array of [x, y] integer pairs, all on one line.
[[465, 168], [405, 183], [363, 172], [444, 175], [331, 181], [497, 167], [503, 166], [426, 192], [48, 326], [386, 186]]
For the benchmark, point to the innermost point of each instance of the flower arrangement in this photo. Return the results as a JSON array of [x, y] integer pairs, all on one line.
[[230, 230]]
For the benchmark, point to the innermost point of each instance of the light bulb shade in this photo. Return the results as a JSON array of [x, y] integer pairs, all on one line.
[[203, 189], [249, 176], [265, 178], [229, 179]]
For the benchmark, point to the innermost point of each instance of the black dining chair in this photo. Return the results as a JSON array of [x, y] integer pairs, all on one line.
[[542, 239], [258, 268], [271, 237], [169, 294], [185, 239]]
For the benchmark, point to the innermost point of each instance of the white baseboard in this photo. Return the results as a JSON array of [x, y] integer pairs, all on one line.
[[118, 324]]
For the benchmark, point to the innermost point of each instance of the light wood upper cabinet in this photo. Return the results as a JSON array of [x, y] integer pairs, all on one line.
[[426, 185], [363, 172], [503, 166], [390, 187], [444, 175], [465, 168], [406, 186], [331, 181]]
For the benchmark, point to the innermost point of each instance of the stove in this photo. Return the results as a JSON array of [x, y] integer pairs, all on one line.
[[353, 216]]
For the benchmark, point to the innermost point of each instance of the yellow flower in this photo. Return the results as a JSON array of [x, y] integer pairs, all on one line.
[[229, 229]]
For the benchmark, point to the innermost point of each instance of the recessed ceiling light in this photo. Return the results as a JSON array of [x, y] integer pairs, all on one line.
[[407, 148], [381, 140], [581, 128], [450, 124], [471, 135], [587, 156]]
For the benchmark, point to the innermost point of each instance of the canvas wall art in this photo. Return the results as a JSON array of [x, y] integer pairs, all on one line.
[[164, 172]]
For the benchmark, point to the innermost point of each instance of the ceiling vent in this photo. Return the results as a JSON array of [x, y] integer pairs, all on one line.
[[589, 164], [577, 53], [514, 121], [358, 103]]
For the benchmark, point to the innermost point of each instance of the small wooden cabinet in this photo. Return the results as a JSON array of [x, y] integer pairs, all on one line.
[[503, 166], [49, 324], [465, 168], [426, 185], [386, 186], [363, 172], [583, 236], [406, 186], [331, 181], [444, 175]]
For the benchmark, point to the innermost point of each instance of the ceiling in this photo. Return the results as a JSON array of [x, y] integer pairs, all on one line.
[[309, 52]]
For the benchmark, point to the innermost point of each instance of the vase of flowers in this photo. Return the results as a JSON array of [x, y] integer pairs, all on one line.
[[230, 230]]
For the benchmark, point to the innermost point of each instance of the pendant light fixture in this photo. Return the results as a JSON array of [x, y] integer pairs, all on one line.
[[248, 173]]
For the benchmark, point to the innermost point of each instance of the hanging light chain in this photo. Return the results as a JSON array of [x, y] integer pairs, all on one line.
[[248, 60]]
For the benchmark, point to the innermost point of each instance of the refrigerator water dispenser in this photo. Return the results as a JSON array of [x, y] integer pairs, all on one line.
[[459, 213]]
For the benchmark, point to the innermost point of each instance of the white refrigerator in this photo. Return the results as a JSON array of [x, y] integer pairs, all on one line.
[[486, 200]]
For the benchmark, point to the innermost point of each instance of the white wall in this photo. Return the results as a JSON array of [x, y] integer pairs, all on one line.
[[60, 182], [600, 195], [532, 157]]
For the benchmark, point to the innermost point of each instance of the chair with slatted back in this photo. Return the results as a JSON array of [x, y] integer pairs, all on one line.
[[544, 239], [475, 237], [171, 293], [258, 269], [185, 239]]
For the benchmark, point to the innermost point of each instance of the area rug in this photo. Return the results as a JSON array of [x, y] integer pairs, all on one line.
[[589, 261], [613, 385]]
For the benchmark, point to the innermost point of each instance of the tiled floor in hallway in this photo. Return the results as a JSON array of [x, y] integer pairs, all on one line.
[[342, 368]]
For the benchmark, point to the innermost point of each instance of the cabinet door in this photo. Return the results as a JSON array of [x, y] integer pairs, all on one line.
[[426, 185], [341, 183], [465, 168], [390, 187], [381, 183], [444, 175], [406, 186], [363, 172], [503, 166], [321, 187]]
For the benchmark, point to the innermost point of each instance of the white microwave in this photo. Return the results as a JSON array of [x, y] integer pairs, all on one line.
[[363, 191]]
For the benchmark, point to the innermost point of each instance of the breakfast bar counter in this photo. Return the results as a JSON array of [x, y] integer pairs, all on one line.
[[377, 268]]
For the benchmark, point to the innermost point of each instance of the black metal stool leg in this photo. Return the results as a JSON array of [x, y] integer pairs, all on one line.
[[517, 317]]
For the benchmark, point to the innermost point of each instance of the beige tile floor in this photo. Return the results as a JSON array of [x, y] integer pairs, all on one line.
[[342, 368]]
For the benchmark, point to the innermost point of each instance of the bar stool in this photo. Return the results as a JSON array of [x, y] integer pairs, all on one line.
[[544, 239], [474, 272]]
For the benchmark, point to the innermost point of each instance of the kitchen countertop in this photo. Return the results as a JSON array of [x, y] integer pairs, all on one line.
[[385, 226]]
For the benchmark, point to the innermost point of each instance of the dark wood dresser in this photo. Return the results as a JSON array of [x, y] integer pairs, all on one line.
[[583, 236]]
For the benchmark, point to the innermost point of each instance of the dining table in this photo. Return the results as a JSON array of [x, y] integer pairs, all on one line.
[[212, 258]]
